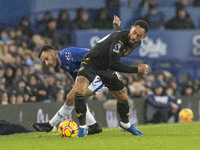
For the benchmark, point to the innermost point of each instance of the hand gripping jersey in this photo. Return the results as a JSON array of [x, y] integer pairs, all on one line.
[[70, 60]]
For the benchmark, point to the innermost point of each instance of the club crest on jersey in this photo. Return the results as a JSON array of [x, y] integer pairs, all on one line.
[[68, 56], [117, 48]]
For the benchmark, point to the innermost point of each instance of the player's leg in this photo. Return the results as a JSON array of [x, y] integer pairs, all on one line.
[[81, 84], [122, 105], [123, 110], [95, 87], [85, 76], [93, 126], [65, 110], [113, 81]]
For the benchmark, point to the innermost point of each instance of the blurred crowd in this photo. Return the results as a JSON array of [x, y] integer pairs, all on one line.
[[180, 21], [23, 77]]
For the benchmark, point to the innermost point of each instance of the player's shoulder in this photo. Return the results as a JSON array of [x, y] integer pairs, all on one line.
[[63, 50], [75, 49], [120, 32], [120, 35]]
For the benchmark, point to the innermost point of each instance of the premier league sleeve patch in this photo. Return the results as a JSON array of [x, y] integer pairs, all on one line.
[[117, 48]]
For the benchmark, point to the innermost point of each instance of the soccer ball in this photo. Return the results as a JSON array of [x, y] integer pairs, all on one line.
[[186, 115], [68, 128]]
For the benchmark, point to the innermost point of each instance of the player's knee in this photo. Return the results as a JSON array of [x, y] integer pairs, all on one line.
[[80, 91], [81, 85], [123, 96]]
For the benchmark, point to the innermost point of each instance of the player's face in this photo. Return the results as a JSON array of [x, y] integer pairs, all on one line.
[[136, 34], [50, 58]]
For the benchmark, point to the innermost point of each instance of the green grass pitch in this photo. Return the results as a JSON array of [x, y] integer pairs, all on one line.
[[176, 136]]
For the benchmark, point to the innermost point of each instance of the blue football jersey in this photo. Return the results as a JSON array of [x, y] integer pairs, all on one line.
[[70, 59]]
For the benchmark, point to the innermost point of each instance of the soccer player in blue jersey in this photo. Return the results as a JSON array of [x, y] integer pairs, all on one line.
[[69, 59]]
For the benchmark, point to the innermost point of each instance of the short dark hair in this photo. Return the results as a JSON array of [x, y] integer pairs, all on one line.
[[143, 25], [45, 49]]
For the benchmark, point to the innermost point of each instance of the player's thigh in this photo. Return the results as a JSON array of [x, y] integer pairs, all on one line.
[[111, 80], [85, 76], [81, 85], [88, 72], [121, 95]]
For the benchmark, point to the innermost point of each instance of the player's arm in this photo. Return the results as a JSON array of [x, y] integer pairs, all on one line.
[[115, 64], [116, 23]]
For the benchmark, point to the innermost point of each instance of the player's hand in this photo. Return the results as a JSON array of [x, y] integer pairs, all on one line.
[[117, 20], [142, 68]]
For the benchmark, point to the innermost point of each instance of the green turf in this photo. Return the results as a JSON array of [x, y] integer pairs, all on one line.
[[156, 137]]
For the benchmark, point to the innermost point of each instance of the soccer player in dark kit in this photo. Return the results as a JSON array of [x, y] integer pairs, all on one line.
[[69, 59], [104, 60]]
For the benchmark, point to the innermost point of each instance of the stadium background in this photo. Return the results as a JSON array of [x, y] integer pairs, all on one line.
[[174, 53]]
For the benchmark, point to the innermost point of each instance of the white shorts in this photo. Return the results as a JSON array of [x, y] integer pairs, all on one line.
[[97, 86]]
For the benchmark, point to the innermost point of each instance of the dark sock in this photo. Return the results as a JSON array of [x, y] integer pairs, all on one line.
[[123, 110], [80, 108]]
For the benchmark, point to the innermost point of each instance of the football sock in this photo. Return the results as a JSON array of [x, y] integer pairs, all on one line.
[[64, 111], [123, 110], [89, 118], [84, 126], [125, 125], [80, 108]]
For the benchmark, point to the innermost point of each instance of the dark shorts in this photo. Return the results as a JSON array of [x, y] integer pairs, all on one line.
[[111, 79]]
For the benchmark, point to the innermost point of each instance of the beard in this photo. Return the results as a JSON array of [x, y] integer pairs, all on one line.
[[57, 68]]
